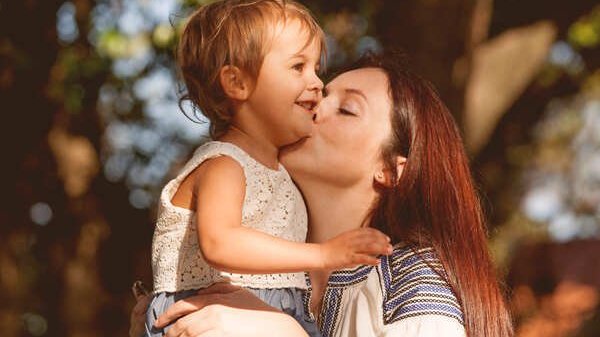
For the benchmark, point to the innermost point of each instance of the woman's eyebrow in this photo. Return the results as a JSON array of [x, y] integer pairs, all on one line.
[[356, 92]]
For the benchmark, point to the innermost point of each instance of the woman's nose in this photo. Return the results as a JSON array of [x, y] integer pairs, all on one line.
[[322, 111]]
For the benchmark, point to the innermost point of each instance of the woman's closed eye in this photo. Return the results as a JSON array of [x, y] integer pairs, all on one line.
[[347, 112]]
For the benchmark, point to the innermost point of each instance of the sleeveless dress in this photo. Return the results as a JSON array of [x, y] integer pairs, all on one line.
[[272, 205]]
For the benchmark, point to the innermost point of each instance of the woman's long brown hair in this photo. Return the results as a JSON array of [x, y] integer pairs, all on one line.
[[433, 202]]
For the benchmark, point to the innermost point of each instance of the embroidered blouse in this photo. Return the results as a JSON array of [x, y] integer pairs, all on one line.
[[402, 296], [272, 204]]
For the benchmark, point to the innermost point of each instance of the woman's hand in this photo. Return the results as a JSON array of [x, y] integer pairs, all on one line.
[[227, 311], [137, 319]]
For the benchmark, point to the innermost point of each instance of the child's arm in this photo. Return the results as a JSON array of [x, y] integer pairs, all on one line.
[[219, 186]]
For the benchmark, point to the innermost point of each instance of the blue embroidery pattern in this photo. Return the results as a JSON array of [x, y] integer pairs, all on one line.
[[308, 316], [330, 316], [338, 281], [411, 287], [345, 278]]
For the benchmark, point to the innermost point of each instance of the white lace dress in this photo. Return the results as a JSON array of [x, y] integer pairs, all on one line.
[[272, 204]]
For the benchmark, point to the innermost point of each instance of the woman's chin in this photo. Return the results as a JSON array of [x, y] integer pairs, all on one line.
[[294, 146], [291, 154]]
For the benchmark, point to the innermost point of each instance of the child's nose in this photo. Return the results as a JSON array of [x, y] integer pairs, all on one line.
[[319, 84], [316, 84]]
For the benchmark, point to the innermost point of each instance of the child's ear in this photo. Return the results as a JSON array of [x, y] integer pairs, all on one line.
[[383, 176], [235, 83]]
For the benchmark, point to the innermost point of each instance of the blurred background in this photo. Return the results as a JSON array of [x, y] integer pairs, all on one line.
[[92, 130]]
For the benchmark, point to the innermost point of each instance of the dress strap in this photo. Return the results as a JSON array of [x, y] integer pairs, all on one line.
[[211, 150]]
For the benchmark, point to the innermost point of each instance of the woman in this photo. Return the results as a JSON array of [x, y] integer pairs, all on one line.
[[385, 153]]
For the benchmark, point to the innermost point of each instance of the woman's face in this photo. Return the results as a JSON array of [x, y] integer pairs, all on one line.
[[351, 125]]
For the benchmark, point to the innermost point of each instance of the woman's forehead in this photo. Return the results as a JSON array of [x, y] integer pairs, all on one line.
[[371, 83], [368, 80]]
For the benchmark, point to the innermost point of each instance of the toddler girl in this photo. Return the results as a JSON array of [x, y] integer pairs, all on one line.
[[233, 213]]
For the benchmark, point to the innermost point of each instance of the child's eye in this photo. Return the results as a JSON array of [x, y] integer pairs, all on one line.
[[298, 66]]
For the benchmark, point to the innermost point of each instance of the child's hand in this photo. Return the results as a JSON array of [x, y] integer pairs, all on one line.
[[355, 247]]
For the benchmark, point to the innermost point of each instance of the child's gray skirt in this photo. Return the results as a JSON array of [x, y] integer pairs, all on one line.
[[288, 300]]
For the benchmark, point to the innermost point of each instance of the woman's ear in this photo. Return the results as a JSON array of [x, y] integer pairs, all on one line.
[[235, 83], [400, 164], [383, 175]]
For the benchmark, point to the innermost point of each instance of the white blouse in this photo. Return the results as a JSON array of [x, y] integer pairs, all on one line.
[[272, 204], [402, 296]]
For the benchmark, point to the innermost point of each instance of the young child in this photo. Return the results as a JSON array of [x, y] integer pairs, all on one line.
[[233, 213]]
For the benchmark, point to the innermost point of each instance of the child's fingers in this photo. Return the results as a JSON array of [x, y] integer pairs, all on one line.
[[381, 236], [373, 247], [138, 289], [179, 309], [194, 324], [365, 259], [372, 235], [375, 233], [141, 305], [187, 306]]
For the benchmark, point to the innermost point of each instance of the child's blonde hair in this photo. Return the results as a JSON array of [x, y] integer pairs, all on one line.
[[237, 33]]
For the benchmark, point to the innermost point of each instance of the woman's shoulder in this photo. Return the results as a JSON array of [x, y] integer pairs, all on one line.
[[413, 285]]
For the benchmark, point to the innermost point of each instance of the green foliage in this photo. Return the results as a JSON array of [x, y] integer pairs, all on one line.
[[585, 33], [74, 67]]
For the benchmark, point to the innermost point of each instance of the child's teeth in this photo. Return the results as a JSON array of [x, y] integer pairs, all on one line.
[[305, 105]]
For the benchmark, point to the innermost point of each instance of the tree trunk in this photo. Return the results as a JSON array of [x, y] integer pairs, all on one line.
[[438, 37]]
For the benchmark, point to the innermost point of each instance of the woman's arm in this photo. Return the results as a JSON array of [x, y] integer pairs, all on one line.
[[227, 311], [417, 300], [227, 245], [138, 316], [425, 326]]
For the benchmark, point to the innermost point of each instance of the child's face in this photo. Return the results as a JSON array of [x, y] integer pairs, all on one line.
[[287, 87]]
